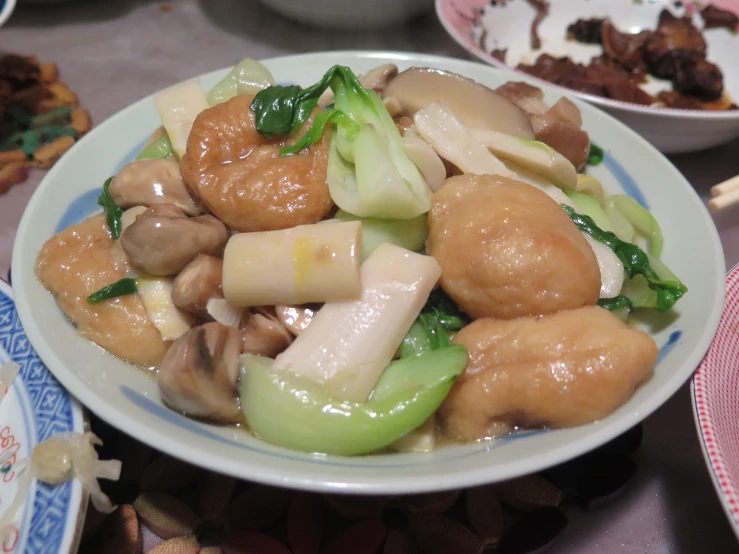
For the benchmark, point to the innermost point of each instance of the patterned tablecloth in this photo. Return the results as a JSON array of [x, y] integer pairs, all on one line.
[[113, 52]]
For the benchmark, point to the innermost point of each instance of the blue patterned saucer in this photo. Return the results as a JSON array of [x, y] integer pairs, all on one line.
[[35, 408]]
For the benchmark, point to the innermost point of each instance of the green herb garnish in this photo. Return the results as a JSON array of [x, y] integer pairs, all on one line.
[[596, 155], [119, 288], [615, 303], [112, 212], [280, 110], [635, 260]]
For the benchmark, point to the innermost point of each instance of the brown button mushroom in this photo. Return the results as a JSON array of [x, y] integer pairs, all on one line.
[[162, 240], [151, 182], [200, 281], [263, 333], [567, 139], [296, 318], [199, 374]]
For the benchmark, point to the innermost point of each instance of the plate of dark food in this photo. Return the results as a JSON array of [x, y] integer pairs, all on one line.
[[661, 66]]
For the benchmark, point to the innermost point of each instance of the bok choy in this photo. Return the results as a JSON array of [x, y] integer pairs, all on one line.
[[159, 148], [247, 77], [410, 234], [650, 283], [369, 172], [295, 412], [431, 330]]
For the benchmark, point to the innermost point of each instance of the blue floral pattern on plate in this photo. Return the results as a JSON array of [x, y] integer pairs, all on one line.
[[51, 513]]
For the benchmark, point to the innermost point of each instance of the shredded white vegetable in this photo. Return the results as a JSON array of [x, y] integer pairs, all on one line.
[[54, 461], [72, 455]]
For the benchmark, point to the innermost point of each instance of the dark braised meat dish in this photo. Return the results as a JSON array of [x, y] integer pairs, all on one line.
[[675, 50]]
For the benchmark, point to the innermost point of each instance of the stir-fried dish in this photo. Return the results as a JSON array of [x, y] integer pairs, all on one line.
[[373, 263]]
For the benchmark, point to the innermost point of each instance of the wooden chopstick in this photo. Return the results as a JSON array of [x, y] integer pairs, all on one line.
[[724, 194]]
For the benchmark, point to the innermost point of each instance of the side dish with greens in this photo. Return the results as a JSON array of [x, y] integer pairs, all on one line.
[[373, 263]]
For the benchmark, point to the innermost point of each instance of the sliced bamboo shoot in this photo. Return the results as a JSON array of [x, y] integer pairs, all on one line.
[[308, 263], [178, 106], [130, 215], [611, 268], [349, 344], [223, 312], [427, 161], [421, 439], [540, 158], [453, 141], [156, 293]]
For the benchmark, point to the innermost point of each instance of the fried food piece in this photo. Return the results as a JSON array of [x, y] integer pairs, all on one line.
[[507, 250], [12, 174], [12, 157], [81, 260], [81, 121], [48, 154], [243, 180], [561, 370], [49, 73]]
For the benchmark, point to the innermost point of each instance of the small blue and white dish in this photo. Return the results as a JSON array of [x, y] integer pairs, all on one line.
[[35, 408]]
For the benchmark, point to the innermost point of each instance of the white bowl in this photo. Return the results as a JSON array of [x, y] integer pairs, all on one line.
[[507, 25], [350, 14], [128, 399]]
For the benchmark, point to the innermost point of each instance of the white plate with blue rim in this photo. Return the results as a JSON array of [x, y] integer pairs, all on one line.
[[35, 408], [128, 398]]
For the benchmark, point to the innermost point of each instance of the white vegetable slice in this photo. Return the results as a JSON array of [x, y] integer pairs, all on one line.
[[178, 106], [8, 373], [223, 312], [308, 263], [421, 439], [611, 268], [540, 158], [587, 184], [156, 293], [452, 141], [529, 177], [348, 345], [130, 215], [427, 161]]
